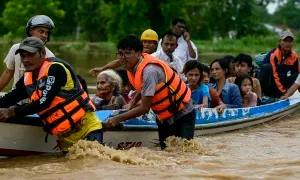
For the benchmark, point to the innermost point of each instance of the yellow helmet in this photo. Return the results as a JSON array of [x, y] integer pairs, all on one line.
[[149, 34]]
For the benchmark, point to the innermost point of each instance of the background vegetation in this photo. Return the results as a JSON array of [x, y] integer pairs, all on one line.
[[109, 20]]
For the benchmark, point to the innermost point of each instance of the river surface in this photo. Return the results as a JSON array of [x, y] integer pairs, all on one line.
[[266, 151]]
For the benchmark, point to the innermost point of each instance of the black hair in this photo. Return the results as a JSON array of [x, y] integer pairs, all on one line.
[[131, 43], [229, 58], [243, 58], [177, 20], [191, 65], [169, 34], [123, 74], [223, 63], [205, 68], [239, 79]]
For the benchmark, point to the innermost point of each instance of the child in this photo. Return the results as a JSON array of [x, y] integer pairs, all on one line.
[[200, 92], [245, 83]]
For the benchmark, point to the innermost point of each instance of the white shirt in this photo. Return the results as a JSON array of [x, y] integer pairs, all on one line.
[[13, 62], [182, 50], [298, 80], [176, 62]]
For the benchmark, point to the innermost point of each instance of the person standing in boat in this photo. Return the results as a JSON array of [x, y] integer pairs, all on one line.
[[166, 54], [186, 49], [38, 26], [159, 89], [55, 94]]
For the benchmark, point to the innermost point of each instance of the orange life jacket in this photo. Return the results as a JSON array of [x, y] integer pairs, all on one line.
[[68, 106], [170, 96], [281, 67]]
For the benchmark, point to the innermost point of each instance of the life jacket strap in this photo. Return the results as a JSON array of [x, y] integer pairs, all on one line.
[[167, 84], [61, 105]]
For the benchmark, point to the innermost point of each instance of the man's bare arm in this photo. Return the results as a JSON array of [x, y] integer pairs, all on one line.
[[112, 65], [5, 78]]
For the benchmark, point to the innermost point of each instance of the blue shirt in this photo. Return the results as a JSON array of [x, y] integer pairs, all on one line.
[[201, 92], [230, 95]]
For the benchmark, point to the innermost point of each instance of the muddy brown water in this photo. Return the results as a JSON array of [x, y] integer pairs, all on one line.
[[267, 151]]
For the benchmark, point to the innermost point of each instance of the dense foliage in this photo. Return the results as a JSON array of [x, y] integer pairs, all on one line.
[[102, 20]]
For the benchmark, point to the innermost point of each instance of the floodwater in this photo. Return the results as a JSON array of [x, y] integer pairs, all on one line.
[[266, 151]]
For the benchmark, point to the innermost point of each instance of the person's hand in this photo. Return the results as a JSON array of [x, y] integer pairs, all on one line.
[[126, 106], [284, 97], [199, 106], [96, 70], [186, 36], [220, 109], [110, 123], [6, 113]]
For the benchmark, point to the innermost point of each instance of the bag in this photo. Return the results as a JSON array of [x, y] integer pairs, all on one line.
[[259, 58], [258, 61]]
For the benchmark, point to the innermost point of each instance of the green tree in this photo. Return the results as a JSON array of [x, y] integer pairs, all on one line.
[[288, 14], [17, 13], [198, 25], [92, 16], [224, 16], [67, 25], [3, 30], [135, 16], [128, 17]]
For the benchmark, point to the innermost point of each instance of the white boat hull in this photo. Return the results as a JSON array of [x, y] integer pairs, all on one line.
[[19, 139]]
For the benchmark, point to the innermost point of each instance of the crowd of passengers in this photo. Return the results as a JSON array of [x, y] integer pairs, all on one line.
[[227, 82]]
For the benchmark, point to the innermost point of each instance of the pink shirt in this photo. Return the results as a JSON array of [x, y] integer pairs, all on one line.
[[250, 100]]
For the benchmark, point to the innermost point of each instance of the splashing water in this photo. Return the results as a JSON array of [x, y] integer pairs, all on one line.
[[177, 144], [137, 156], [88, 148]]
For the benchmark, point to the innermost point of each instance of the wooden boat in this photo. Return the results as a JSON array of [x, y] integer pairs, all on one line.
[[24, 136]]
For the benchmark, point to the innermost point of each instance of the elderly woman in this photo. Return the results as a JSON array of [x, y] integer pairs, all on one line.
[[108, 96]]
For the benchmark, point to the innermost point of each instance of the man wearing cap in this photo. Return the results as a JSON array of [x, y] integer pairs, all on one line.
[[280, 67], [55, 94], [38, 26]]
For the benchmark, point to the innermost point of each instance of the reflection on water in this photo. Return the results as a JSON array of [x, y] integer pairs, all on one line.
[[84, 56], [266, 151]]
